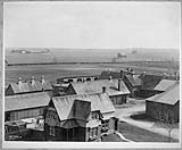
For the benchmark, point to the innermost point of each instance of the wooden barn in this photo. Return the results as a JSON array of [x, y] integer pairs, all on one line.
[[28, 87], [25, 111], [79, 117], [115, 88], [165, 106]]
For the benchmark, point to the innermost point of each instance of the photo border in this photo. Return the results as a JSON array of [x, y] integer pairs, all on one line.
[[75, 145]]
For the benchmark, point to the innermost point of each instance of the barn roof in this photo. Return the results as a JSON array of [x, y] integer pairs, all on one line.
[[26, 87], [98, 102], [170, 96], [96, 87], [26, 101], [134, 80], [164, 84], [149, 82]]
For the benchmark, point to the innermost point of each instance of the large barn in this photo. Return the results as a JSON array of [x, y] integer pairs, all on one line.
[[165, 106], [115, 88], [79, 117]]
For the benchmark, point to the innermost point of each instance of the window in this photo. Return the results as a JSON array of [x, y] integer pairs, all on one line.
[[93, 132], [52, 131], [95, 115]]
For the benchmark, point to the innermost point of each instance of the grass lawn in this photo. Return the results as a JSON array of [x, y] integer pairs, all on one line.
[[141, 135], [111, 138]]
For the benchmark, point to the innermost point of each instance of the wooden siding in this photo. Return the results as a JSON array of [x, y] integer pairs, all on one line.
[[162, 112], [118, 99], [22, 114]]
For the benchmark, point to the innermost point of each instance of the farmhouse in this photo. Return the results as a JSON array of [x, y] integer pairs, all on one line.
[[79, 117], [28, 87], [164, 106], [115, 88]]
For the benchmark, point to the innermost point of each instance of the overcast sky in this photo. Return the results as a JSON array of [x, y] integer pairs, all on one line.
[[92, 24]]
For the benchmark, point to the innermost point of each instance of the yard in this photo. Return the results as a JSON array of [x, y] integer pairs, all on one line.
[[137, 134]]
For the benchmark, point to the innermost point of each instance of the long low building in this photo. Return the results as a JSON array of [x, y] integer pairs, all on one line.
[[115, 88], [165, 106], [79, 117]]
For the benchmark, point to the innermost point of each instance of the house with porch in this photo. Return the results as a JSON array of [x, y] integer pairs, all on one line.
[[79, 117]]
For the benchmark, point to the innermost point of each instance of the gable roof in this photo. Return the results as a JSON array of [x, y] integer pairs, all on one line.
[[26, 101], [96, 87], [164, 84], [98, 102], [171, 96], [150, 81], [134, 80], [26, 87]]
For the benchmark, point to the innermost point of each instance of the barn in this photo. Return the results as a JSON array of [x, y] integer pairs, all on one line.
[[25, 110], [79, 117], [165, 106], [115, 88], [28, 87]]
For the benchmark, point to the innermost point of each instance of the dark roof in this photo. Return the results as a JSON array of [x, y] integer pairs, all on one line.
[[26, 87], [134, 80], [164, 84], [96, 87], [171, 96], [26, 101], [149, 82], [99, 102]]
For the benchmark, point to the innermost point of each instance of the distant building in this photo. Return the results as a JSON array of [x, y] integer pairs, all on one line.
[[115, 88], [70, 79], [165, 106], [79, 117], [28, 87]]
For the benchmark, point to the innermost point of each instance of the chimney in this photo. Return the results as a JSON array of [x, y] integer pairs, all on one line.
[[19, 80], [33, 80], [119, 84], [42, 79], [122, 72], [103, 89]]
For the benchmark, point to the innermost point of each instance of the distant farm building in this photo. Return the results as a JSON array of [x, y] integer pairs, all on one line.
[[79, 117], [165, 106], [115, 88]]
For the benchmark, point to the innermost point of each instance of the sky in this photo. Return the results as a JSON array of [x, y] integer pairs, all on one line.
[[92, 24]]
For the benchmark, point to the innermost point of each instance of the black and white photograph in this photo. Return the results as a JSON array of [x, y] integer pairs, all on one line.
[[104, 73]]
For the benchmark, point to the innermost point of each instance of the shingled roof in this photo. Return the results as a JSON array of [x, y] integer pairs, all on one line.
[[27, 87], [96, 87], [170, 96], [149, 82], [164, 84], [98, 102], [26, 101]]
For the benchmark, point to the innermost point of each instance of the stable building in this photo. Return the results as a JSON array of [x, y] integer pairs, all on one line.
[[79, 117], [165, 106], [25, 110], [115, 88], [28, 87]]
